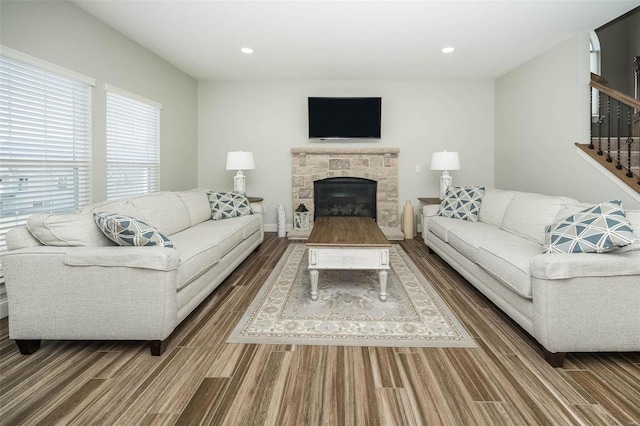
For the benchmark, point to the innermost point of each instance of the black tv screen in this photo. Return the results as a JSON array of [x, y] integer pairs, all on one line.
[[344, 118]]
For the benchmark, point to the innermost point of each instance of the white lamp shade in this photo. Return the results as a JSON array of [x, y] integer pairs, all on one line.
[[239, 160], [445, 161]]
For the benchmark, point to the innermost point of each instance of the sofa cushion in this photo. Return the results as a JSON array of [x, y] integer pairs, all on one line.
[[203, 245], [508, 257], [196, 202], [199, 249], [528, 215], [494, 206], [165, 211], [122, 206], [128, 231], [597, 229], [66, 230], [462, 202], [225, 205], [466, 237]]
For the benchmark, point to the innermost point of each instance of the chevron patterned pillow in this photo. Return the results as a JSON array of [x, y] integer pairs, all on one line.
[[462, 202], [598, 229], [127, 231], [228, 204]]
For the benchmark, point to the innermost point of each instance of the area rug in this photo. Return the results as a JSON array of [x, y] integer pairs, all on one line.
[[348, 311]]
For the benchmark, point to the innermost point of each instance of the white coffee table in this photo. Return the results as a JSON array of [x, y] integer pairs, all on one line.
[[347, 243]]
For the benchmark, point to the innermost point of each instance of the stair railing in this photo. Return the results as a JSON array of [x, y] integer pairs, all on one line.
[[617, 123]]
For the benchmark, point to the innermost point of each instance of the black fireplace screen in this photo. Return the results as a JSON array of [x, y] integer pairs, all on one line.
[[345, 196]]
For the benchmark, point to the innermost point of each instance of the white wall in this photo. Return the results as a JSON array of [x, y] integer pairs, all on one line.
[[269, 118], [542, 109], [62, 33]]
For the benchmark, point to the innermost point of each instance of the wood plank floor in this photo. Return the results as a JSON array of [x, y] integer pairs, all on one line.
[[203, 380]]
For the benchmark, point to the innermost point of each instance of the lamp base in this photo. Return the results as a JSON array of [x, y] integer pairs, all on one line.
[[446, 180], [239, 182]]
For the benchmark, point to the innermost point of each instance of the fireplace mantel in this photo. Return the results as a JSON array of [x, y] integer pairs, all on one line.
[[310, 164]]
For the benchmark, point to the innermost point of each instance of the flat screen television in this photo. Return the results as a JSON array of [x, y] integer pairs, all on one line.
[[345, 118]]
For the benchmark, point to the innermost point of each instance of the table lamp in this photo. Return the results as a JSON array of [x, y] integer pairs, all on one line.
[[445, 161], [239, 160]]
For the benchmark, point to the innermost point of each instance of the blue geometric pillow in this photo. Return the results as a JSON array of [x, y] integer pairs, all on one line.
[[228, 204], [597, 229], [462, 202], [127, 231]]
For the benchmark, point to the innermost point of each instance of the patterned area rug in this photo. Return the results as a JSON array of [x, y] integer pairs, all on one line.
[[348, 311]]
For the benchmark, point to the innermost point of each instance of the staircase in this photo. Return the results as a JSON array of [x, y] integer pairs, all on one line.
[[615, 133]]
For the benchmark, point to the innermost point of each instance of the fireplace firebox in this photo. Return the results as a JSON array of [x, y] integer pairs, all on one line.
[[345, 196]]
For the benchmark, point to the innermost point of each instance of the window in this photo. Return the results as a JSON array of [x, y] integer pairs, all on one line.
[[45, 139], [133, 144]]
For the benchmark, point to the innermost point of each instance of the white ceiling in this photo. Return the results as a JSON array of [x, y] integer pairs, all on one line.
[[342, 40]]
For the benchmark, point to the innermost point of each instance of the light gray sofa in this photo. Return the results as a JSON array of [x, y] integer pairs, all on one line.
[[81, 286], [581, 302]]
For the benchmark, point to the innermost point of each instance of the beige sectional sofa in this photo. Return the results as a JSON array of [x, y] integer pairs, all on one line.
[[578, 302], [71, 282]]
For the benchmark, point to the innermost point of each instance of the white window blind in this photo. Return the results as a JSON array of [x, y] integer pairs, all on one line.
[[45, 142], [133, 145]]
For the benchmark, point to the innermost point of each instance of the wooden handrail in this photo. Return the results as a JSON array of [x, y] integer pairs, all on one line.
[[613, 93]]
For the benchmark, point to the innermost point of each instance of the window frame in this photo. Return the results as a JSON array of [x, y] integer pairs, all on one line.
[[45, 132], [129, 119]]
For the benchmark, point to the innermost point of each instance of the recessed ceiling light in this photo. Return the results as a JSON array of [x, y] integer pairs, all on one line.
[[246, 50], [448, 50]]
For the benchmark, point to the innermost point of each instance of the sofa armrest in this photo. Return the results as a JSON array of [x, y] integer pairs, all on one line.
[[558, 266], [587, 314], [430, 210], [115, 298], [586, 301], [156, 258]]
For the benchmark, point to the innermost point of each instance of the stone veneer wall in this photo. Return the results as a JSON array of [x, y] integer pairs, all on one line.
[[379, 164]]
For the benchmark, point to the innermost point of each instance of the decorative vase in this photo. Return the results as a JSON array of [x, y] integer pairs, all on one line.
[[282, 221], [408, 220]]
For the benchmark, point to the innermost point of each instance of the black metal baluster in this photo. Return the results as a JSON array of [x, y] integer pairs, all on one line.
[[618, 166], [629, 143], [609, 159], [600, 118], [590, 118]]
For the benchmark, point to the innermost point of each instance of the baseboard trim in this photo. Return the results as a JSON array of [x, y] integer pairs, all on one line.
[[273, 227]]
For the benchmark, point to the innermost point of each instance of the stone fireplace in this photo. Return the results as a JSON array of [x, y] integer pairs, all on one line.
[[380, 165]]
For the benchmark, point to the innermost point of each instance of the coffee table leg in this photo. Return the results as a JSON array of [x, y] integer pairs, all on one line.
[[383, 284], [314, 283]]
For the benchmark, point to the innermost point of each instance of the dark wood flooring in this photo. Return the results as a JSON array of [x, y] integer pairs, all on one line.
[[203, 380]]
